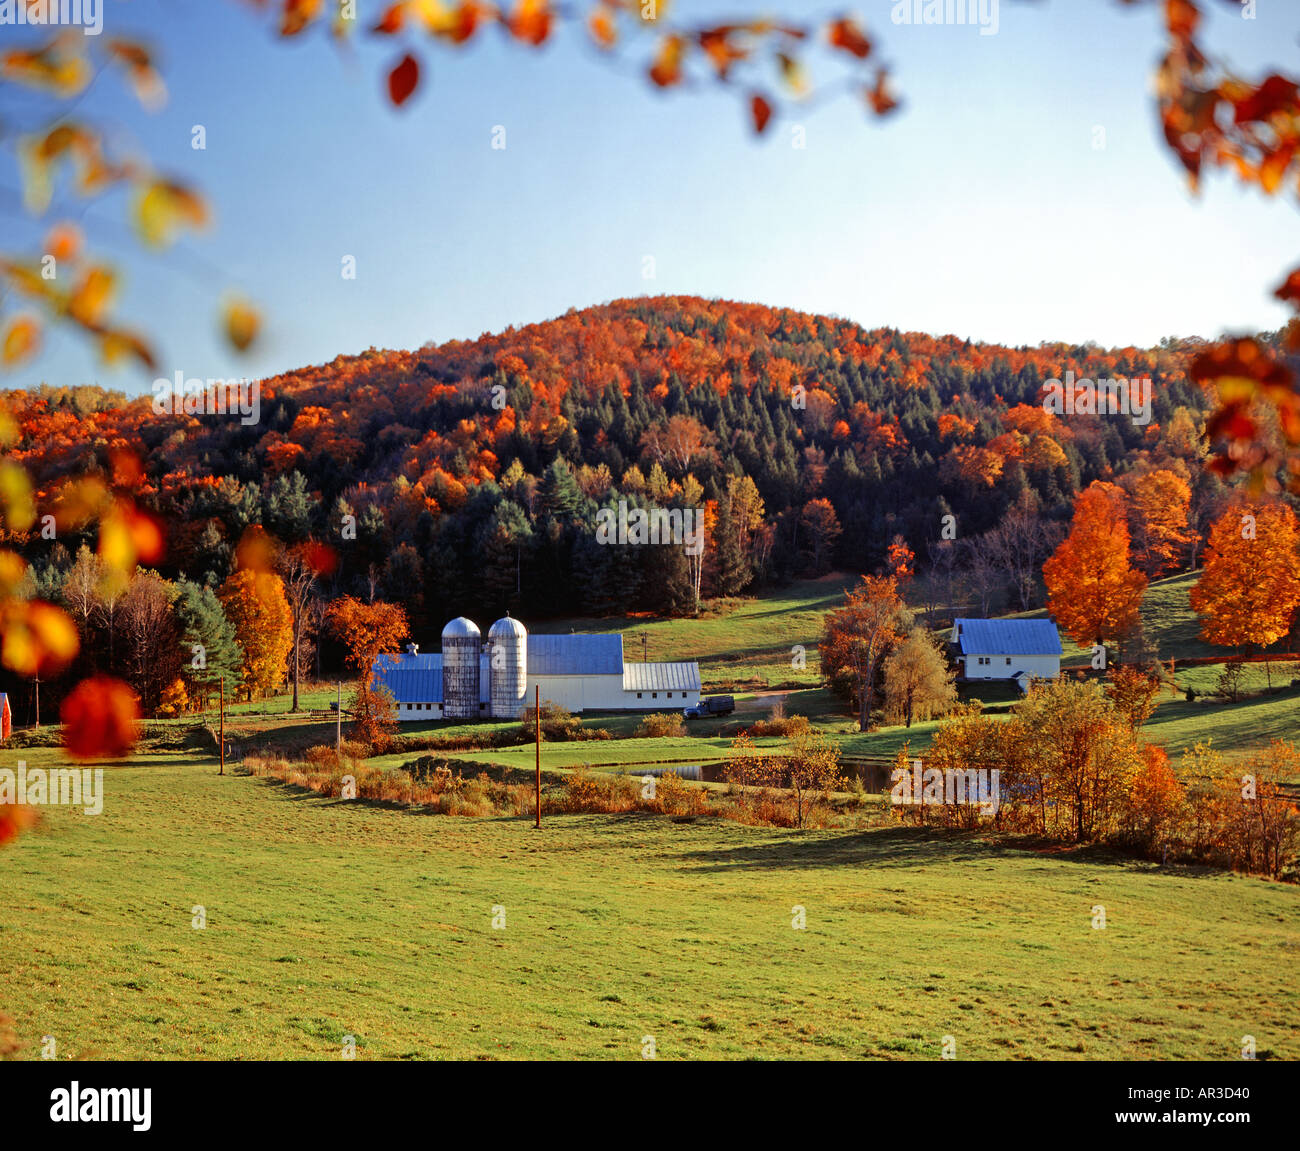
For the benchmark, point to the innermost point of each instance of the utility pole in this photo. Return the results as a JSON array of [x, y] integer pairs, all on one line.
[[221, 727], [537, 716], [38, 703], [643, 647], [338, 733]]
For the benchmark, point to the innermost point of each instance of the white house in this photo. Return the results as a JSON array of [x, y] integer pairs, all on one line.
[[1018, 649]]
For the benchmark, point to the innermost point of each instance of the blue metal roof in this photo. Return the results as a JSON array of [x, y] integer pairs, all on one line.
[[1007, 637], [575, 654], [411, 678]]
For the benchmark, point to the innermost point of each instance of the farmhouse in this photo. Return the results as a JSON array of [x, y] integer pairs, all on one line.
[[1018, 649], [472, 677]]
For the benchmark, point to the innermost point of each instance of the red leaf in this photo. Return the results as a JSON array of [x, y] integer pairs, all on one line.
[[845, 34], [100, 719], [403, 79], [881, 100], [1271, 96], [761, 111]]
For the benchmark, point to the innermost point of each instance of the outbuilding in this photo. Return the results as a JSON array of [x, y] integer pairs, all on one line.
[[1022, 650]]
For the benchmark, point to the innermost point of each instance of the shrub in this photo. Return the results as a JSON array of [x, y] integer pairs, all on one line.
[[587, 792], [780, 724], [558, 724], [674, 796], [662, 723]]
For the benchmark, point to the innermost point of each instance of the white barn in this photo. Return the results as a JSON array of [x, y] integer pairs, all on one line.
[[1017, 649], [497, 677]]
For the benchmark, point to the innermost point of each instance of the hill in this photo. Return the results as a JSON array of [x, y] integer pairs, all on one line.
[[467, 477]]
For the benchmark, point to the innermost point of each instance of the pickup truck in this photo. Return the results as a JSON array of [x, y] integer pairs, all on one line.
[[714, 705]]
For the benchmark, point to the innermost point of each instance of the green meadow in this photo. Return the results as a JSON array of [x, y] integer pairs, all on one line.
[[327, 919]]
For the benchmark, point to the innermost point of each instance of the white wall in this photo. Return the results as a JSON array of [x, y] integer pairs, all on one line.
[[1004, 667], [578, 693]]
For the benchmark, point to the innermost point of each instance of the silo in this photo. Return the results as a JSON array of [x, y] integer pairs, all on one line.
[[461, 646], [508, 658]]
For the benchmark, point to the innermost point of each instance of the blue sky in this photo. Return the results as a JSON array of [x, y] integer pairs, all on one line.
[[982, 208]]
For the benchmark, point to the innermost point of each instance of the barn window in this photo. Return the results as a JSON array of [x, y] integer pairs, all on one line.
[[654, 695], [1008, 661], [638, 695]]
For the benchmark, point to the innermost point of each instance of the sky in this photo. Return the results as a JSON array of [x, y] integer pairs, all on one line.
[[982, 208]]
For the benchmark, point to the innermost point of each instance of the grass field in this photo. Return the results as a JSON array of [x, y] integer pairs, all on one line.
[[736, 642], [327, 919]]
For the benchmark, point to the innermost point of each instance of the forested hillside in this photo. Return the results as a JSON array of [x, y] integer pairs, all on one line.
[[474, 469]]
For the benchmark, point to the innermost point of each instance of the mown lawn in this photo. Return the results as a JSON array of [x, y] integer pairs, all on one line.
[[327, 919]]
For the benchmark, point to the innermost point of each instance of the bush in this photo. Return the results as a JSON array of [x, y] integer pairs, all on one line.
[[587, 792], [674, 796], [559, 725], [782, 725], [661, 723]]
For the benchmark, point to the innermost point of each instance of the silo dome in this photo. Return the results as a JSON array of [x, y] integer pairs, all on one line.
[[461, 645], [508, 663]]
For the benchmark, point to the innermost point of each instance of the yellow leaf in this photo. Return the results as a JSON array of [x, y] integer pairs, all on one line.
[[12, 570], [16, 496], [91, 297], [242, 322], [162, 208], [21, 340]]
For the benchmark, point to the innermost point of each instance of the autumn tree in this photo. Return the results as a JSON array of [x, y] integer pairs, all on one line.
[[1074, 741], [918, 681], [1159, 507], [367, 630], [857, 638], [151, 655], [810, 766], [900, 561], [255, 603], [299, 566], [1250, 584], [678, 443], [1094, 592], [1133, 692], [819, 527]]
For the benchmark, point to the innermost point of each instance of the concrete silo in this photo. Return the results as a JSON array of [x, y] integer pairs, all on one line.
[[507, 649], [462, 645]]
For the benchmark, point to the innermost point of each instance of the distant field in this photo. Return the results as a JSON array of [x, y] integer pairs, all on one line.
[[748, 641], [741, 641], [327, 919]]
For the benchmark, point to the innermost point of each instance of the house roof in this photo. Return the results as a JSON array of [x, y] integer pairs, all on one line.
[[575, 654], [661, 677], [1007, 637]]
